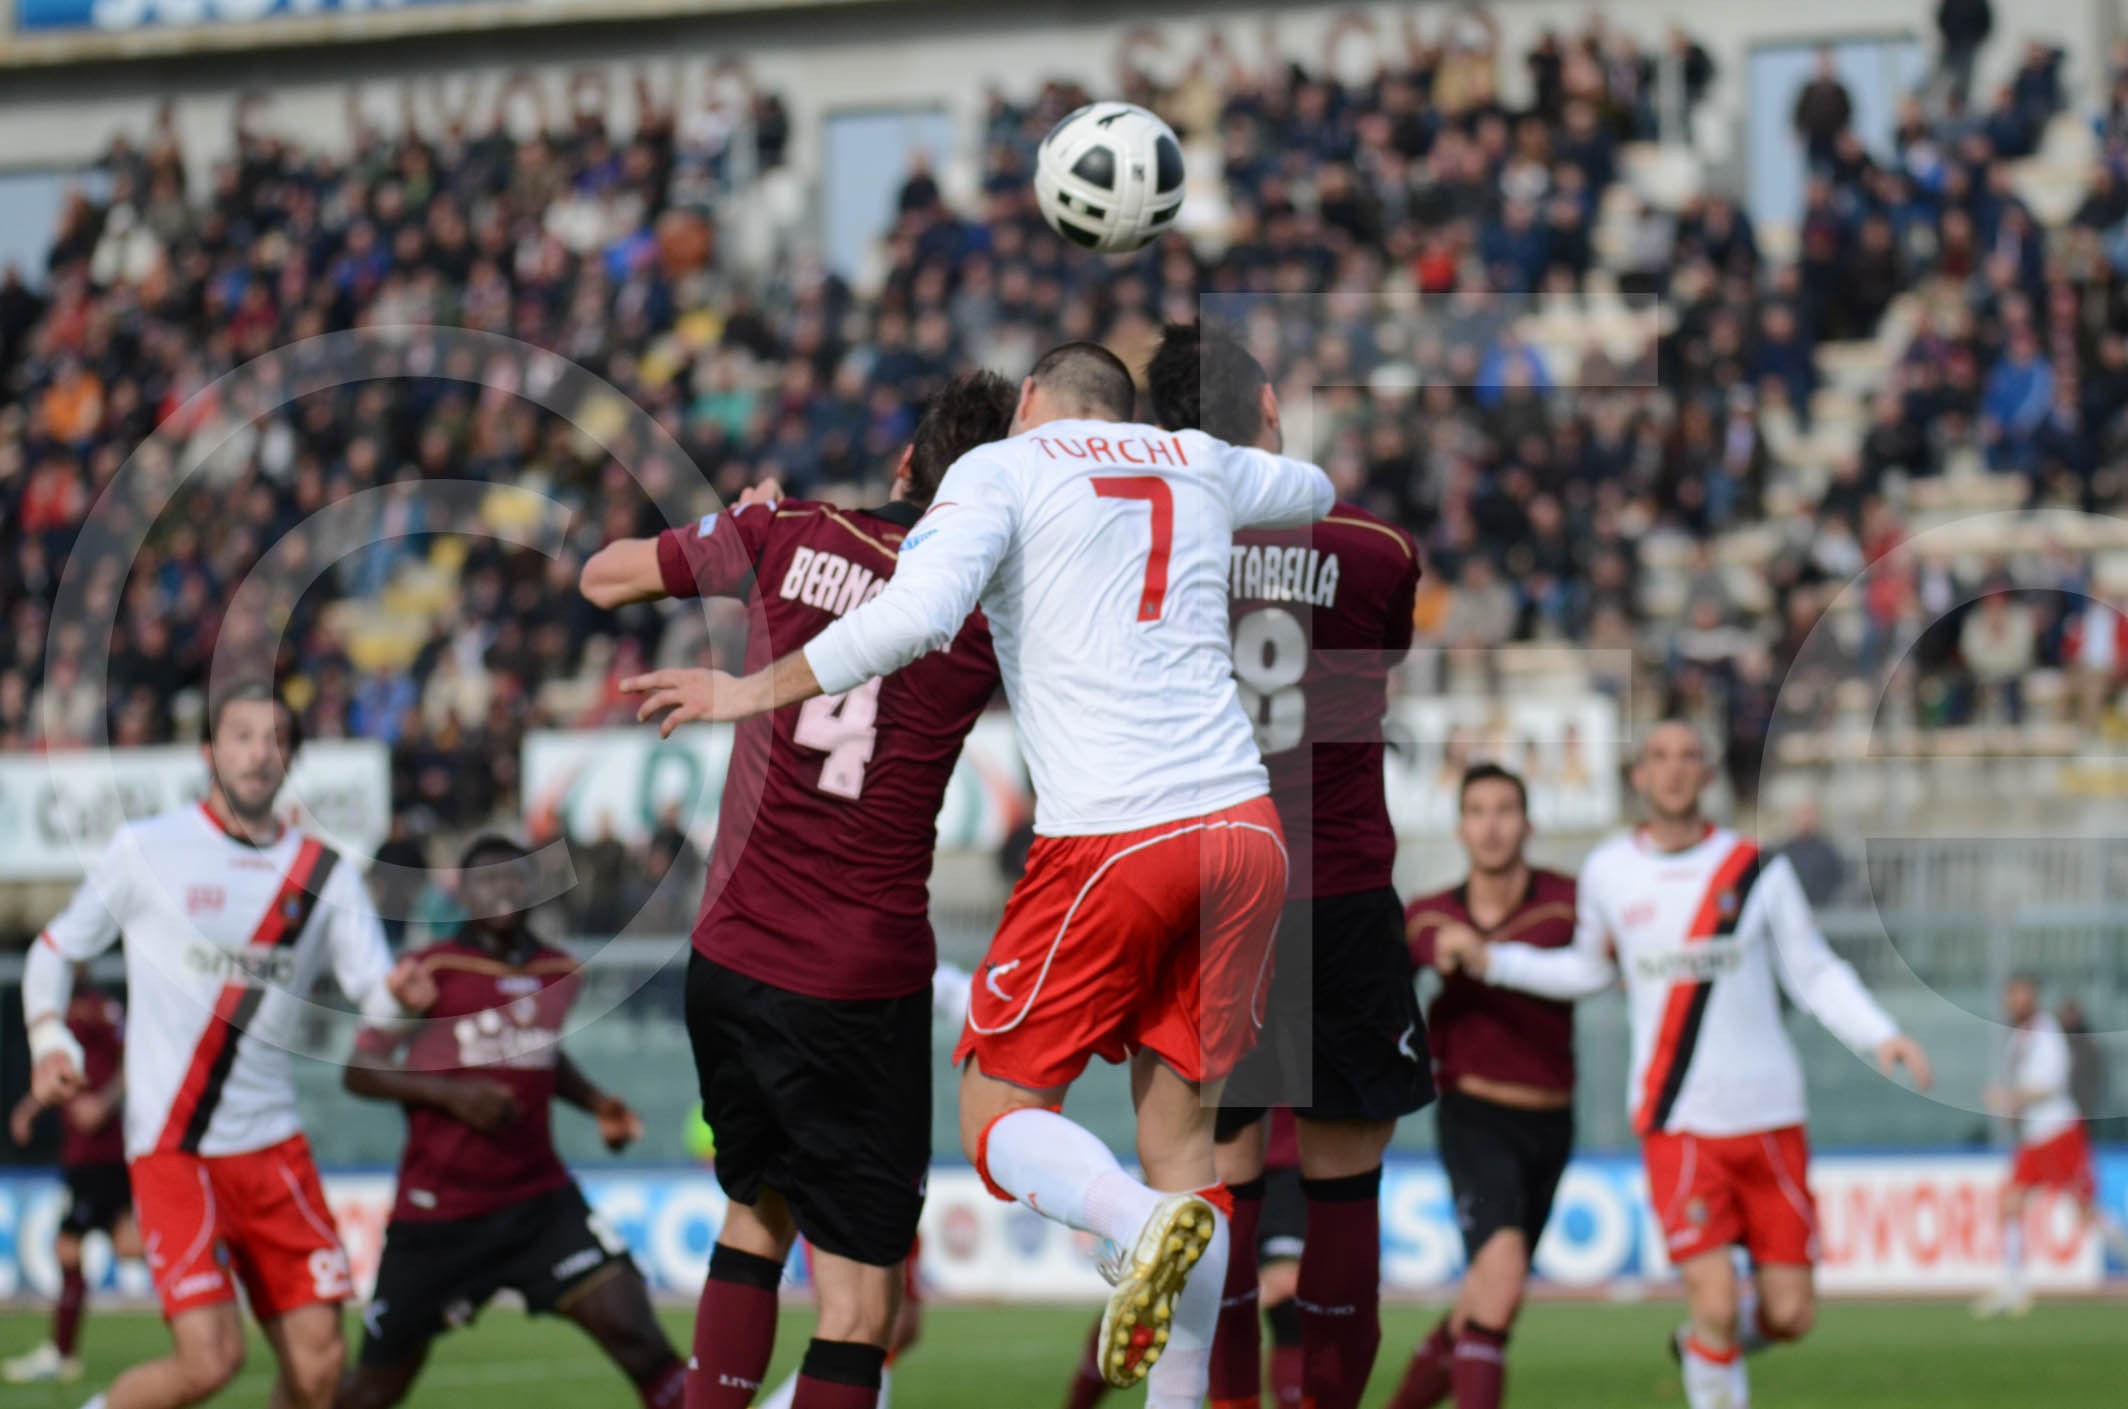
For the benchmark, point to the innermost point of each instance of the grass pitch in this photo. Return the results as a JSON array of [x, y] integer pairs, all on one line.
[[2069, 1355]]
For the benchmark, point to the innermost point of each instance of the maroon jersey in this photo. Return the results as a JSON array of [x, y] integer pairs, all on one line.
[[819, 882], [1321, 615], [1497, 1033], [493, 1021], [98, 1023]]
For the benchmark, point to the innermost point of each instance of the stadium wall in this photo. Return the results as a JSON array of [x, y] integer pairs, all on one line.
[[1892, 1225]]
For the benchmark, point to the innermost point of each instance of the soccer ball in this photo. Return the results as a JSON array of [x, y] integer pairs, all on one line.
[[1109, 177]]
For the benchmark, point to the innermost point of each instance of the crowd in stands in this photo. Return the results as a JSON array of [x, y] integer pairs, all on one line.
[[1538, 489]]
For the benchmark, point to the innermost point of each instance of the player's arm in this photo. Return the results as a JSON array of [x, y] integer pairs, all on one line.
[[84, 929], [93, 1110], [383, 992], [374, 1073], [1826, 985], [624, 571], [713, 557], [944, 565], [1582, 968], [1272, 491], [619, 1125]]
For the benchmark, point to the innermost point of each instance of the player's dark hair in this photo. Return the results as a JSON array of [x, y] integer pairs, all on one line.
[[973, 409], [1493, 773], [220, 699], [1201, 378], [490, 847], [1089, 376]]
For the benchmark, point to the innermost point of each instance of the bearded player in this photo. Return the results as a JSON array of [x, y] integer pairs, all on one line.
[[1505, 1061], [92, 1162], [1099, 550], [484, 1202], [228, 918], [1707, 934], [1321, 615], [809, 989]]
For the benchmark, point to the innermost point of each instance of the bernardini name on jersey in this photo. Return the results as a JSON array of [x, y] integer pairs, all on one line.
[[1701, 962], [828, 581], [1274, 574]]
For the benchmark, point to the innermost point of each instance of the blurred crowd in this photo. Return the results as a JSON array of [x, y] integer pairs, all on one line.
[[1538, 485]]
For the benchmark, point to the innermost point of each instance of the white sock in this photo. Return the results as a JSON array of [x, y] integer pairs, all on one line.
[[1062, 1172], [95, 1402], [784, 1394], [2013, 1257], [1713, 1384], [1184, 1375], [886, 1388]]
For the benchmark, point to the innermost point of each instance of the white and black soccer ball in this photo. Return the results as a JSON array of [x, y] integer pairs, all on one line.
[[1109, 177]]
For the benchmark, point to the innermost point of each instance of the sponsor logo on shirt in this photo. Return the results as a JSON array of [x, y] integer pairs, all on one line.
[[252, 967], [829, 581], [1698, 963], [1271, 574], [487, 1039]]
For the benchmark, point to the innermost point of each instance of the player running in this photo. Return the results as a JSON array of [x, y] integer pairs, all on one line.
[[1099, 549], [2053, 1153], [1321, 615], [1506, 1059], [228, 919], [809, 989], [1707, 933], [484, 1201], [92, 1161]]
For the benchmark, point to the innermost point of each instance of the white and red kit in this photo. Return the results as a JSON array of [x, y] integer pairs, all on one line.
[[1100, 553], [224, 941], [1706, 938], [2052, 1150]]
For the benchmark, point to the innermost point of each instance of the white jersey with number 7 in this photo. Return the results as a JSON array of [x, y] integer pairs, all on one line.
[[1099, 550]]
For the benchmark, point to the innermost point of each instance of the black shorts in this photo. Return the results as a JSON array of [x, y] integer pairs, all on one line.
[[1503, 1165], [435, 1276], [98, 1195], [1342, 1038], [1282, 1227], [826, 1101]]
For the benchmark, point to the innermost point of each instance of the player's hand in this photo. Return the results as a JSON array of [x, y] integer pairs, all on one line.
[[90, 1111], [689, 695], [1457, 948], [768, 491], [1904, 1051], [56, 1079], [411, 985], [22, 1122], [487, 1106], [618, 1124]]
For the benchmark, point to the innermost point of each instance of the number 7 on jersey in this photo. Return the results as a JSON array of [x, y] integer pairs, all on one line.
[[1161, 500]]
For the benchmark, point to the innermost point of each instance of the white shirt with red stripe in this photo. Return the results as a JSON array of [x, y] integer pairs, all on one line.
[[1100, 552], [2039, 1068], [1702, 937], [224, 941]]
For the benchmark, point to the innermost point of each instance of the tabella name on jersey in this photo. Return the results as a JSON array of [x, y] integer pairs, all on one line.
[[1273, 574], [828, 581]]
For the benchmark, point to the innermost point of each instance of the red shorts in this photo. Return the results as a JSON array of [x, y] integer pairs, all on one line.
[[1154, 940], [259, 1217], [1711, 1192], [2062, 1163]]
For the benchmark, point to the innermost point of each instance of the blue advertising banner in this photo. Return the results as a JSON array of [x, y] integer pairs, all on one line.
[[132, 16], [1905, 1224]]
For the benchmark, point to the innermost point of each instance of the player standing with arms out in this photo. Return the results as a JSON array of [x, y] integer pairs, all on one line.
[[228, 918], [484, 1201], [2053, 1153], [809, 989], [92, 1160], [1321, 615], [1099, 550], [1707, 934], [1505, 1061]]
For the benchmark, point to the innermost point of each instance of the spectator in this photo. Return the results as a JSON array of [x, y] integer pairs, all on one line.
[[1965, 26], [1823, 108], [1819, 867], [2000, 647]]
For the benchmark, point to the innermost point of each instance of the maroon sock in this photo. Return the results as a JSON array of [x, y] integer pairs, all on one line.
[[735, 1330], [1341, 1287], [66, 1316], [665, 1387], [1087, 1386], [1481, 1367], [840, 1375], [1237, 1344], [1427, 1382], [1286, 1365]]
